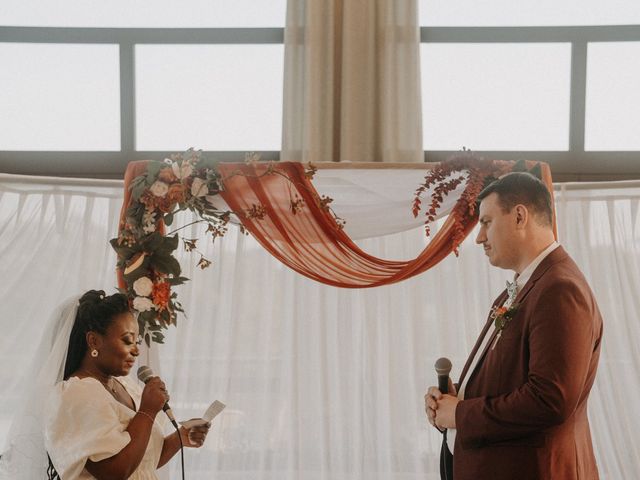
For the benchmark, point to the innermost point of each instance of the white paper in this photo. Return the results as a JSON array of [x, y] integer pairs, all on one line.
[[214, 409]]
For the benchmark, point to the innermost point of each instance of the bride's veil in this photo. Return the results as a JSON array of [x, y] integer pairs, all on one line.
[[24, 454]]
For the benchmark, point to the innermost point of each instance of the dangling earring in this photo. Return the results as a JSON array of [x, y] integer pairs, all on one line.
[[94, 353]]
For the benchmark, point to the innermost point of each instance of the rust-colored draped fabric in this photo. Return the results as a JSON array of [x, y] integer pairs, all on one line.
[[134, 169], [309, 240]]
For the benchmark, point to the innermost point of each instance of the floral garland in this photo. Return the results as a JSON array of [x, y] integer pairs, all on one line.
[[146, 255], [448, 175], [187, 182]]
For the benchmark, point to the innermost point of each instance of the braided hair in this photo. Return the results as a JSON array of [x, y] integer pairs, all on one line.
[[95, 313]]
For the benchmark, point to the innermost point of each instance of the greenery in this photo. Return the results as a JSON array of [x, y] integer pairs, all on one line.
[[145, 254], [446, 176]]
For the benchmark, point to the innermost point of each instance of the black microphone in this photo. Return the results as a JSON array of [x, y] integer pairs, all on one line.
[[443, 367], [145, 374]]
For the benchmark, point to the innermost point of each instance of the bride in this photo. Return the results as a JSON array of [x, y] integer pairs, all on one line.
[[83, 418]]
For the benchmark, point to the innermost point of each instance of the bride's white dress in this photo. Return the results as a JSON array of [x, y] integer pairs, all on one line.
[[84, 421]]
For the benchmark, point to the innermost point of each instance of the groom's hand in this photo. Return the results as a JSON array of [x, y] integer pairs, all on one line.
[[445, 411], [431, 404], [431, 400]]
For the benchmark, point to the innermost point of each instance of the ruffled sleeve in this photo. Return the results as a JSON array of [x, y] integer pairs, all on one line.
[[82, 423]]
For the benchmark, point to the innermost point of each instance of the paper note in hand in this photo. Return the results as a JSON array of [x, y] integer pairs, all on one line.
[[214, 409]]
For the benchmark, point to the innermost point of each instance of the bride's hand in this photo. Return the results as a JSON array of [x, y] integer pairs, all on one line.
[[195, 436]]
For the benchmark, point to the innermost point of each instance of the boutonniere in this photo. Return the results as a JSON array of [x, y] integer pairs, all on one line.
[[501, 316]]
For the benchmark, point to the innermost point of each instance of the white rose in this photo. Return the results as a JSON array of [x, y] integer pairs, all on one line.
[[159, 189], [143, 286], [183, 171], [199, 188], [142, 304]]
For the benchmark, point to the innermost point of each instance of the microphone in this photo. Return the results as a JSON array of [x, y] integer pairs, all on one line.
[[443, 367], [145, 373]]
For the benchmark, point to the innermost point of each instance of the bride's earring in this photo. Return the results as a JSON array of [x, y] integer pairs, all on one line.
[[94, 353]]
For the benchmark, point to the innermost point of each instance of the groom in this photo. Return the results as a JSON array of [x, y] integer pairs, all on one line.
[[521, 408]]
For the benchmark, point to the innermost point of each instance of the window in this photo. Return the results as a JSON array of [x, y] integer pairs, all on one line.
[[214, 97], [46, 107], [511, 80], [130, 79], [496, 96], [613, 97]]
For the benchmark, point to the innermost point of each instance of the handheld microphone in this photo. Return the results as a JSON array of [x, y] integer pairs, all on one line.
[[145, 373], [443, 367]]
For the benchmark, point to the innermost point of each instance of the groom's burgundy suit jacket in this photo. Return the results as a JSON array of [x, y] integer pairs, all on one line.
[[524, 415]]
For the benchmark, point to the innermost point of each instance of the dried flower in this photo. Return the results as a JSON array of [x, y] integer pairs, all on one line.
[[204, 263], [149, 222], [190, 245], [257, 212]]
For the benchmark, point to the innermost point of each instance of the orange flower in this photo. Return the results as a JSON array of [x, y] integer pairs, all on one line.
[[501, 311], [176, 193], [151, 202], [160, 294], [166, 175]]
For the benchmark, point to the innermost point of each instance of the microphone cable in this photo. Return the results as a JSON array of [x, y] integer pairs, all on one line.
[[181, 450]]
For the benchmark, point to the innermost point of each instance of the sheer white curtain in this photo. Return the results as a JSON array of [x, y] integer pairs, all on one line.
[[352, 81], [319, 382]]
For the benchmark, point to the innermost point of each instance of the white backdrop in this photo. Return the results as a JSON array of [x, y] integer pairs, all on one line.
[[319, 382]]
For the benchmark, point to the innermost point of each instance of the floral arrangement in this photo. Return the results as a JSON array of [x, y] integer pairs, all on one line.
[[146, 253], [448, 175], [501, 317]]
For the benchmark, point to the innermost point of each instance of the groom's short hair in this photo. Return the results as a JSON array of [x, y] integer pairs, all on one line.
[[525, 189]]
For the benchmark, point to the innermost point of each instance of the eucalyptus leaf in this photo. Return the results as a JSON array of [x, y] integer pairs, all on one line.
[[138, 190], [153, 168]]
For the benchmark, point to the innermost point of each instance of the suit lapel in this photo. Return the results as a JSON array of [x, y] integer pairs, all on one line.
[[499, 301], [554, 257]]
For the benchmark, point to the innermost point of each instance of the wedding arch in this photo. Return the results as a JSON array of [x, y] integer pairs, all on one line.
[[278, 203]]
